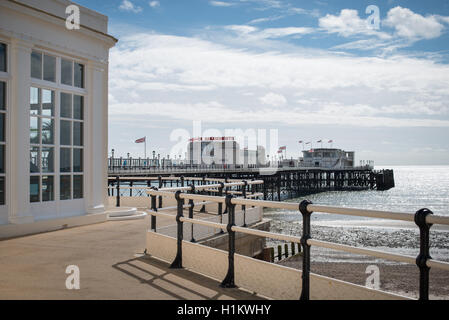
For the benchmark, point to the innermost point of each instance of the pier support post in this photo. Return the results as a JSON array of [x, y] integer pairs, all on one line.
[[228, 281], [177, 263], [424, 255], [305, 293]]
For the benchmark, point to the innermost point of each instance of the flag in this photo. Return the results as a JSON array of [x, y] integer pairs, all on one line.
[[308, 142], [319, 141], [283, 148], [330, 141], [300, 141], [141, 140], [279, 151]]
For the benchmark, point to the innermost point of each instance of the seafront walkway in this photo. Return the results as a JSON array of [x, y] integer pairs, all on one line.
[[111, 264]]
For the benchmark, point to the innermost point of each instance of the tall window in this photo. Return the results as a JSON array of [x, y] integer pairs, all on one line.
[[42, 144], [2, 141], [71, 164], [56, 111]]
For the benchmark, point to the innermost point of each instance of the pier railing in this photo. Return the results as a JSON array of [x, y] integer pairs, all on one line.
[[423, 218]]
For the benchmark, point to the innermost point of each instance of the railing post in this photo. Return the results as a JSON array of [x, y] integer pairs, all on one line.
[[245, 184], [117, 203], [305, 293], [182, 181], [191, 206], [154, 208], [228, 281], [220, 205], [177, 263], [424, 254]]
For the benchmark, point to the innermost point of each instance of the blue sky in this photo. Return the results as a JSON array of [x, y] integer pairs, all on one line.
[[310, 69]]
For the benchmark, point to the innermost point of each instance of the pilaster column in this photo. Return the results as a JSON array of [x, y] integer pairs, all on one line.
[[19, 133], [96, 173]]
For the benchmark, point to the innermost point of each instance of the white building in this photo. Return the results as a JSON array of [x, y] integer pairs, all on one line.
[[328, 158], [212, 151], [53, 116]]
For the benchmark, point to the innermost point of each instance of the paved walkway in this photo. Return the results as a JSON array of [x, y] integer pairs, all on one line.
[[112, 266]]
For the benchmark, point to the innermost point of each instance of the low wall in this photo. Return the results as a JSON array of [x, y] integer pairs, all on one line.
[[267, 279]]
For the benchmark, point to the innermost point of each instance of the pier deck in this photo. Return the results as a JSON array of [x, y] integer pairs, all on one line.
[[279, 183]]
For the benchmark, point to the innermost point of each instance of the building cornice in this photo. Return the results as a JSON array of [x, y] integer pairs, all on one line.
[[105, 37]]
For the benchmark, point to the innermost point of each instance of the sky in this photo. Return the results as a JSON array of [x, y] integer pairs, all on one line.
[[373, 76]]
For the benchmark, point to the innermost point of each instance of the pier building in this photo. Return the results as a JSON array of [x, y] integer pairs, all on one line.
[[328, 158]]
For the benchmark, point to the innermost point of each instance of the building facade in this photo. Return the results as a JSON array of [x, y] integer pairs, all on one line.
[[53, 112], [328, 158], [212, 151]]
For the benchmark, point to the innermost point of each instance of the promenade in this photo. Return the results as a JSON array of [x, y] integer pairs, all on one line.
[[111, 262]]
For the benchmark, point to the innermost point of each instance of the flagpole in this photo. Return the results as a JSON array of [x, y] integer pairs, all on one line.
[[145, 148]]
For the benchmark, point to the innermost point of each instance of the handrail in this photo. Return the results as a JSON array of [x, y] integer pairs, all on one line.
[[391, 215], [423, 218]]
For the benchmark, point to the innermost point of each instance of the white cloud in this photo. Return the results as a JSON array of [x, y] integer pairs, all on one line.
[[127, 5], [283, 32], [347, 24], [273, 99], [259, 34], [411, 25], [154, 4], [221, 4], [185, 78]]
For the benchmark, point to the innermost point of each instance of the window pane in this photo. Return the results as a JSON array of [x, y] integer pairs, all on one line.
[[2, 127], [66, 105], [48, 102], [77, 160], [77, 133], [47, 131], [2, 190], [2, 95], [65, 160], [34, 159], [79, 75], [34, 130], [66, 133], [77, 187], [34, 189], [47, 160], [78, 107], [66, 72], [36, 65], [34, 101], [47, 188], [3, 57], [65, 185], [49, 68], [2, 158]]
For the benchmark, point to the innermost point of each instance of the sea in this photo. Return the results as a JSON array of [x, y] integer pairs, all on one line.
[[416, 187]]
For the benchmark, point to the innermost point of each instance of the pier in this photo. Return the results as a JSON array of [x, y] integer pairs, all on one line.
[[280, 182]]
